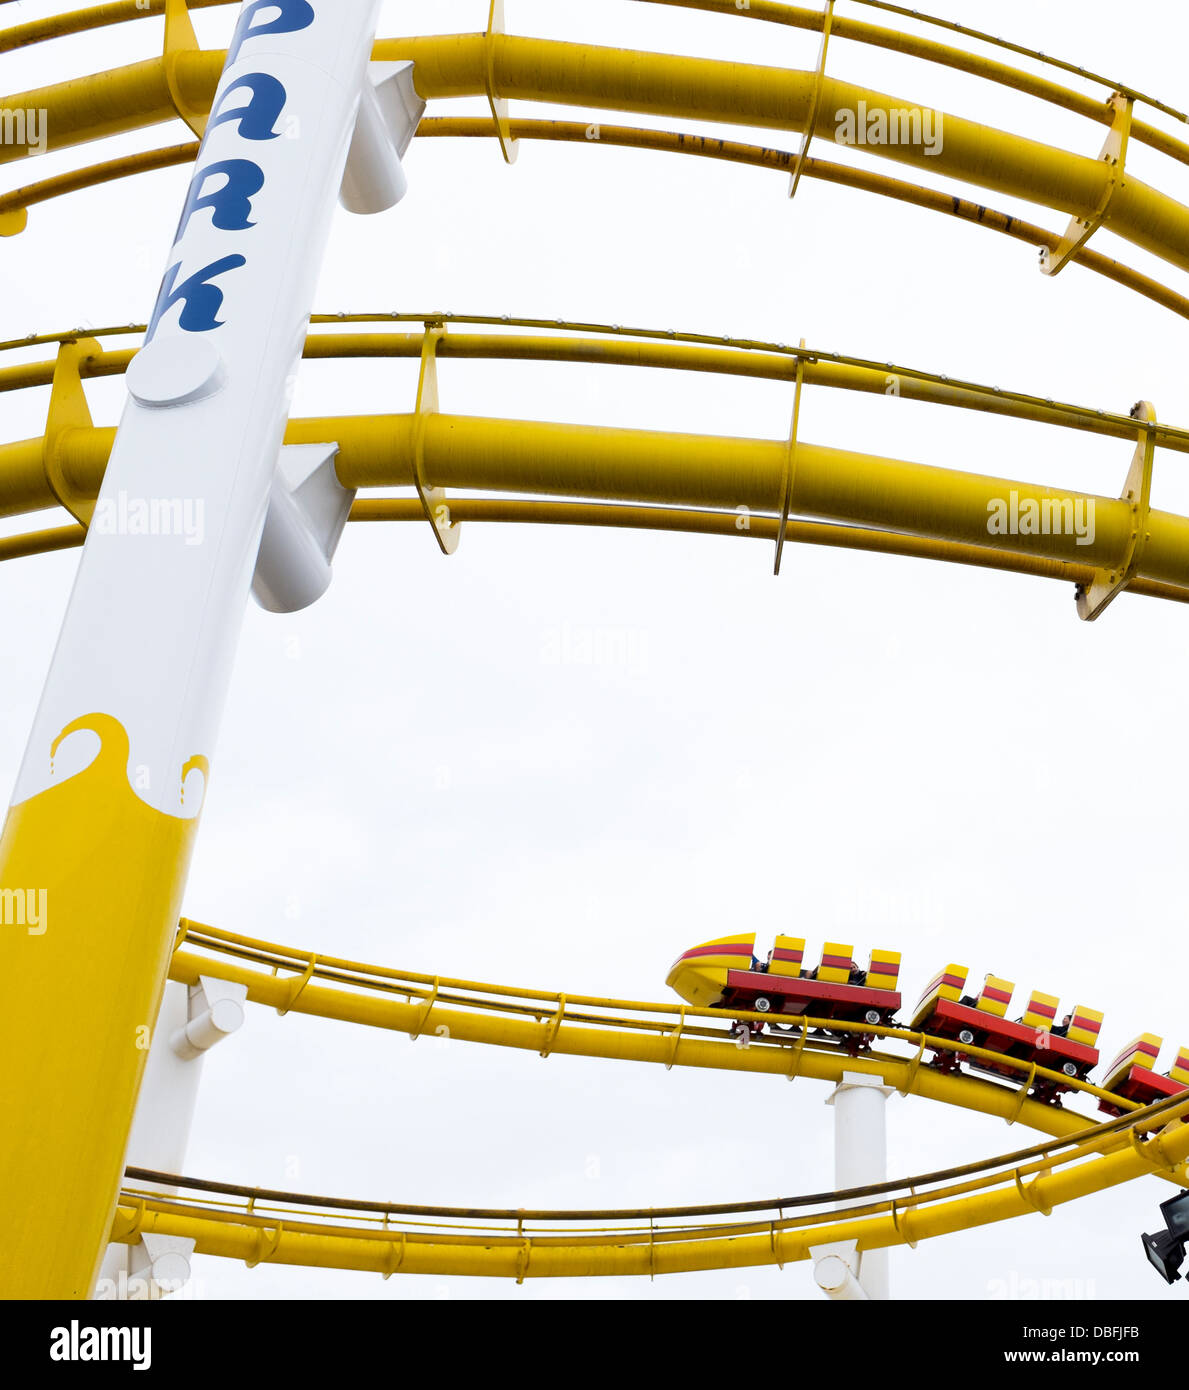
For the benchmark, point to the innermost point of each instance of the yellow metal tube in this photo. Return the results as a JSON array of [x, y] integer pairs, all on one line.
[[643, 466], [748, 361], [624, 1043], [747, 94], [600, 344], [513, 1256], [674, 143], [766, 11], [24, 486], [661, 84]]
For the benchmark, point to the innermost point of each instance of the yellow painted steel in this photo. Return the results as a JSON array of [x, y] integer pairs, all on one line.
[[461, 65], [766, 11], [894, 496], [280, 1239], [83, 1063], [332, 987], [468, 1245], [665, 519], [626, 1030], [14, 203], [655, 467], [603, 344]]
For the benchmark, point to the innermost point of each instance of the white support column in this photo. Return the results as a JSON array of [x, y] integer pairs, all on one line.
[[835, 1271], [861, 1159], [106, 805], [192, 1019]]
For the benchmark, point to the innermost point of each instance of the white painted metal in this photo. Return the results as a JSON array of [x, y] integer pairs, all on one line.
[[374, 179], [161, 1129], [151, 628], [152, 624], [307, 511], [162, 1261], [216, 1010], [834, 1270], [860, 1156]]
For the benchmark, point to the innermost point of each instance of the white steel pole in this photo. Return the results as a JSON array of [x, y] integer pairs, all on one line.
[[192, 1020], [107, 799], [861, 1157]]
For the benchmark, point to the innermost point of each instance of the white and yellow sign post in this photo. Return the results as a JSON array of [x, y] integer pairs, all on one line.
[[98, 839]]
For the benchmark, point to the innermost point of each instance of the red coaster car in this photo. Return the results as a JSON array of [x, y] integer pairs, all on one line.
[[1069, 1048], [1132, 1074], [725, 974]]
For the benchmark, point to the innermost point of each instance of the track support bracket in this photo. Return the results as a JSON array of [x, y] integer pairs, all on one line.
[[68, 412], [1137, 492], [180, 39], [499, 105], [790, 465], [818, 78], [1114, 152], [433, 499]]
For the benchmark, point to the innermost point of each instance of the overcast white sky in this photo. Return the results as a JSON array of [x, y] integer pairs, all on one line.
[[885, 751]]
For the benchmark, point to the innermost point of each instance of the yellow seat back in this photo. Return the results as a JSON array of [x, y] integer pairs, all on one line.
[[884, 970], [1041, 1012], [946, 984], [787, 956], [1084, 1026], [1180, 1068], [1139, 1052], [995, 995], [837, 961]]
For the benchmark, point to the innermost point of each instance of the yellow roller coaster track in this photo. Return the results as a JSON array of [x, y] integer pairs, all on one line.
[[182, 80], [647, 479], [260, 1225], [14, 203]]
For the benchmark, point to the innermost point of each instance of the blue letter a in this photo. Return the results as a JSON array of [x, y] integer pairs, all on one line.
[[259, 116]]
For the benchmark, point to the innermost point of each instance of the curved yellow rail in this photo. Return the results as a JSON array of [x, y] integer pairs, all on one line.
[[652, 479], [770, 12], [462, 65], [581, 1025], [259, 1234], [386, 1238], [14, 204]]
